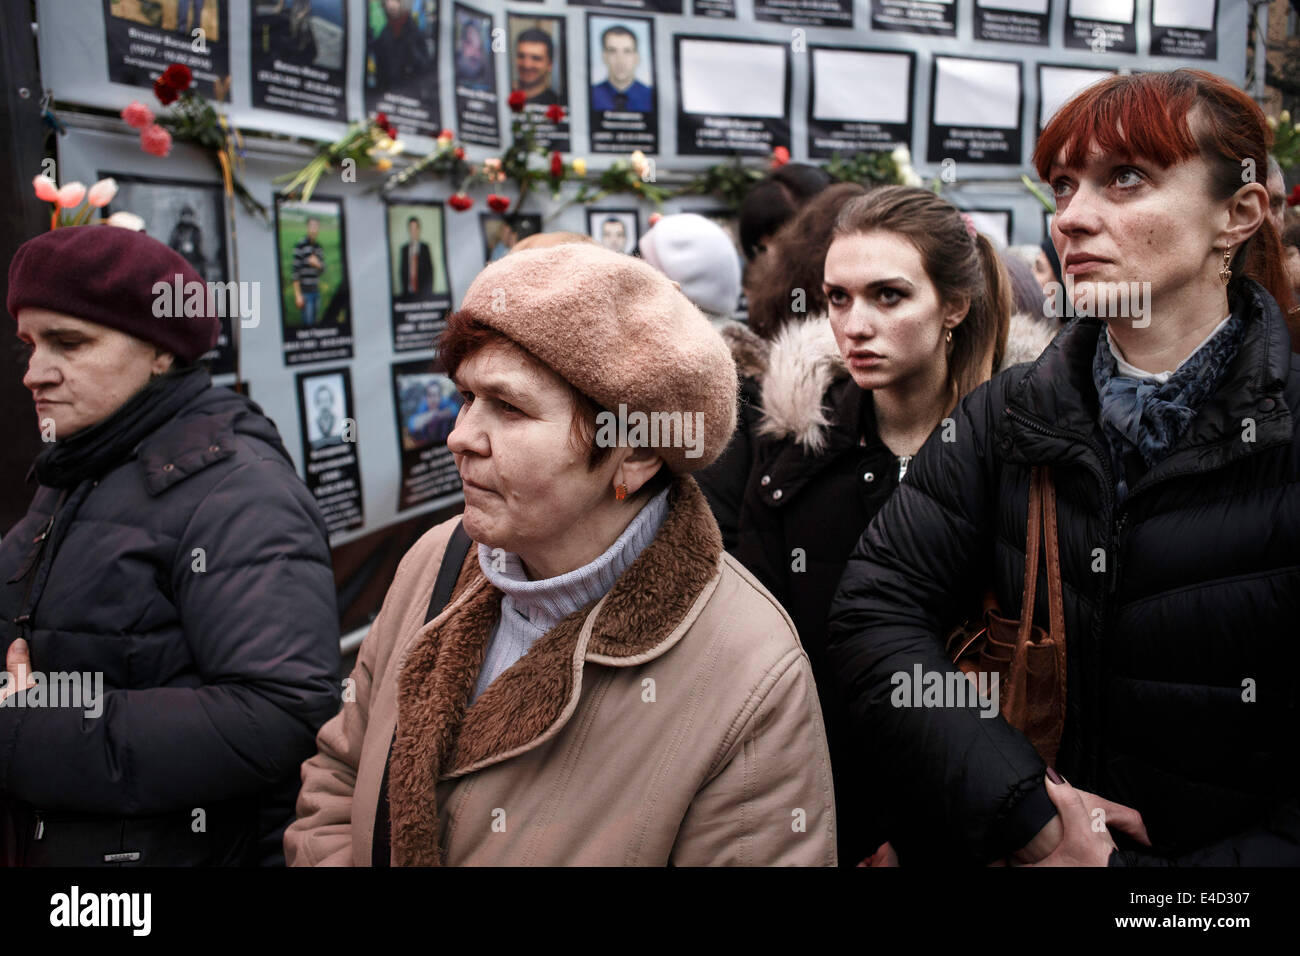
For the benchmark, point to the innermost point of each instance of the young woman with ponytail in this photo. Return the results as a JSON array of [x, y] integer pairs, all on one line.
[[1171, 435], [918, 307]]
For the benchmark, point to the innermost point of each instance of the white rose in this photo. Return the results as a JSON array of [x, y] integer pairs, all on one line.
[[902, 156]]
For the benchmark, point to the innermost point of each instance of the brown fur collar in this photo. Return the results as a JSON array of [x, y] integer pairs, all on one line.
[[747, 348], [646, 612]]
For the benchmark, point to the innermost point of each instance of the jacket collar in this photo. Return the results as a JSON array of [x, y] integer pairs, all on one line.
[[440, 737], [1058, 395]]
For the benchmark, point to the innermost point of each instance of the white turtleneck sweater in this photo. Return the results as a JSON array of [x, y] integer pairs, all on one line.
[[531, 608]]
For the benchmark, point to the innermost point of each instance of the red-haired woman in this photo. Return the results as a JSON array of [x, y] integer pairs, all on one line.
[[1170, 428]]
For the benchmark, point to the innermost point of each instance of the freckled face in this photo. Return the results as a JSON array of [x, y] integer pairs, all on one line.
[[1120, 219]]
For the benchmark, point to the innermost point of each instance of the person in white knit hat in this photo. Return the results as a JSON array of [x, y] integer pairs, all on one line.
[[699, 256]]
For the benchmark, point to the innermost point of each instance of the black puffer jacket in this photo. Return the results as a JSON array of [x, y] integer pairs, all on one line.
[[804, 509], [218, 665], [1181, 610]]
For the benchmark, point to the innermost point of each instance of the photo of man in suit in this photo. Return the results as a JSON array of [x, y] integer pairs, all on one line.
[[416, 269], [621, 90]]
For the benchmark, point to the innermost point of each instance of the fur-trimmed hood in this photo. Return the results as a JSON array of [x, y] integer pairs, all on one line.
[[804, 362]]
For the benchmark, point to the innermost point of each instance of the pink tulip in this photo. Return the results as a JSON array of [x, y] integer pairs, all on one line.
[[137, 115], [155, 140], [46, 190], [102, 193], [71, 195]]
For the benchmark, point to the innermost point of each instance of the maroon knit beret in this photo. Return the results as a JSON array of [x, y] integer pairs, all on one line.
[[106, 274]]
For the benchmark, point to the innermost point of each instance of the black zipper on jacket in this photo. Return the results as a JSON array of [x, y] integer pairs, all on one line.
[[1105, 593]]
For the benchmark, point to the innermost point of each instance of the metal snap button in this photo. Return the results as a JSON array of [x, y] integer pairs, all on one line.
[[168, 467], [869, 477], [776, 495], [214, 448], [1267, 405], [765, 480]]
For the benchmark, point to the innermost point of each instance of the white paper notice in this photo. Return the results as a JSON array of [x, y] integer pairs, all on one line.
[[1112, 11], [976, 93], [996, 225], [1021, 6], [1183, 14], [860, 87], [1058, 84], [732, 79]]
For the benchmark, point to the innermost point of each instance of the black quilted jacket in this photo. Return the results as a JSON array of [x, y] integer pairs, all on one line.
[[1181, 611], [218, 664]]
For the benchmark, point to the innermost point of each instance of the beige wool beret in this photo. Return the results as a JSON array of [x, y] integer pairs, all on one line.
[[623, 334]]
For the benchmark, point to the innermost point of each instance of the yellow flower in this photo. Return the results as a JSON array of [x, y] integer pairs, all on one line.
[[579, 167], [383, 164]]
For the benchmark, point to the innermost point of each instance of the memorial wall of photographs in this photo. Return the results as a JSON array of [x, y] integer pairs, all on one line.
[[341, 298]]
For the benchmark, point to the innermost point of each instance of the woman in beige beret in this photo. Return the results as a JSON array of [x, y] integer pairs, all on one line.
[[604, 685]]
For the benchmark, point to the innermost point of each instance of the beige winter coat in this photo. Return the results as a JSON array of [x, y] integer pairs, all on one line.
[[674, 722]]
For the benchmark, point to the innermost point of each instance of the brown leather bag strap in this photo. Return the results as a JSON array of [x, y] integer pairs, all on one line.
[[1055, 595], [1032, 538]]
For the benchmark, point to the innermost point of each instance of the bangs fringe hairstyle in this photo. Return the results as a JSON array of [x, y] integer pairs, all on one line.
[[1167, 118], [957, 265]]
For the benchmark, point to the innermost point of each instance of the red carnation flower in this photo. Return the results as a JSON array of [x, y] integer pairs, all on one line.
[[555, 112], [390, 131], [178, 76], [445, 134], [780, 156], [460, 202], [155, 140], [459, 152], [517, 100], [381, 120], [498, 203], [166, 93], [557, 165]]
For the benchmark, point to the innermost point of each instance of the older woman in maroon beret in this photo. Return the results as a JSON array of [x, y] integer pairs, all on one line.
[[167, 607]]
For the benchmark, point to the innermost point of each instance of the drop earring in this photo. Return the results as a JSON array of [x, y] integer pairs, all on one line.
[[1225, 273], [620, 492], [948, 337]]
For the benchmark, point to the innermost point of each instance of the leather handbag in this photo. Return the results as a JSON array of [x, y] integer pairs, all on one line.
[[1029, 661]]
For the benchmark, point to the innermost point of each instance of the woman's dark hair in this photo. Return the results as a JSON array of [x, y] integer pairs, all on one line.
[[1167, 118], [1291, 236], [789, 285], [958, 264], [775, 200], [1026, 292]]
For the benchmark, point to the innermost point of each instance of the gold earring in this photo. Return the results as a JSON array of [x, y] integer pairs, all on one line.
[[620, 492], [949, 336], [1225, 273]]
